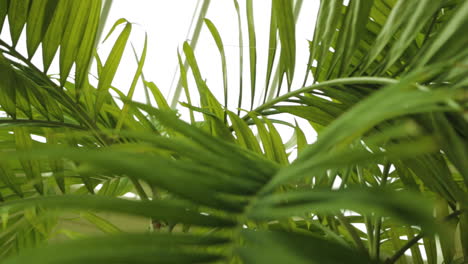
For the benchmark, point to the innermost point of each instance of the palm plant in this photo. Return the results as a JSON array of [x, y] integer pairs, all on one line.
[[387, 175]]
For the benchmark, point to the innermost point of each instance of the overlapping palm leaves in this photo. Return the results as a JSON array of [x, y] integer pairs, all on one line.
[[389, 103]]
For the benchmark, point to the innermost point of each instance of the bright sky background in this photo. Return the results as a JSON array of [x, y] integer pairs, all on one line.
[[167, 24]]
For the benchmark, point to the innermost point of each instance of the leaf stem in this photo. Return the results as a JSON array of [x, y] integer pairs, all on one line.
[[415, 239], [45, 123], [341, 81], [378, 224], [402, 250]]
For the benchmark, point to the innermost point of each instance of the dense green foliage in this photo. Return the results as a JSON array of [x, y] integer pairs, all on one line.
[[388, 174]]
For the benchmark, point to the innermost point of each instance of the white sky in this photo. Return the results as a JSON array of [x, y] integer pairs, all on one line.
[[167, 24]]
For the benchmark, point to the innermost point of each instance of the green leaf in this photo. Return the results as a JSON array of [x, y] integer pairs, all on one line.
[[464, 233], [219, 44], [17, 16], [101, 223], [169, 174], [287, 33], [431, 249], [217, 127], [387, 104], [110, 68], [241, 56], [433, 171], [407, 207], [311, 113], [252, 50], [3, 12], [424, 12], [183, 79], [207, 99], [244, 135], [265, 137], [277, 143], [455, 147], [139, 248], [158, 96], [31, 167], [193, 40], [415, 252], [447, 237], [7, 177], [117, 23], [329, 15], [54, 34], [351, 32], [408, 16], [301, 139], [405, 107], [85, 52], [37, 23], [289, 247], [437, 50], [131, 91], [22, 96], [172, 211], [46, 102], [260, 167], [57, 165], [357, 155], [7, 87], [116, 187], [272, 45]]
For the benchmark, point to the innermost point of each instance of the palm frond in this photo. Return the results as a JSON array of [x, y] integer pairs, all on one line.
[[386, 176]]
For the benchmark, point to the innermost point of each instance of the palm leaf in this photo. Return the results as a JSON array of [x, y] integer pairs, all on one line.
[[385, 176]]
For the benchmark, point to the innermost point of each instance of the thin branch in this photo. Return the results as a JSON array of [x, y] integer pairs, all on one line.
[[193, 43], [45, 123], [402, 250], [378, 225], [415, 239]]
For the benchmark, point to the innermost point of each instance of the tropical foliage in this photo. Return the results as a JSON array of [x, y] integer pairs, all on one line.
[[385, 182]]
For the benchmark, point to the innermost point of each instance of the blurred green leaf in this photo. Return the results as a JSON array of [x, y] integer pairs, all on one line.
[[295, 248], [142, 248]]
